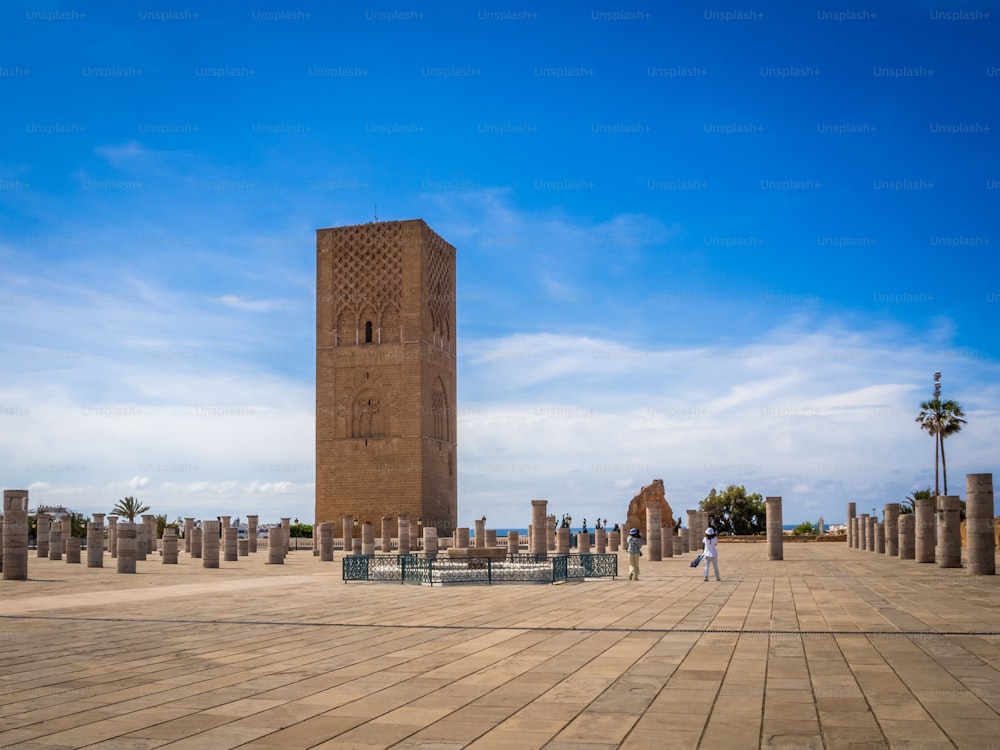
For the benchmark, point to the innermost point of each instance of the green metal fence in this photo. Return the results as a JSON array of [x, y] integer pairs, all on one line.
[[511, 569]]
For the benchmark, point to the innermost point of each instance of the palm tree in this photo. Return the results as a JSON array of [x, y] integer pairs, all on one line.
[[129, 508], [940, 419], [910, 503]]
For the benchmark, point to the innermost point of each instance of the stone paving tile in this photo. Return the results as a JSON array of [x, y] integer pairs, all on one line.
[[829, 648]]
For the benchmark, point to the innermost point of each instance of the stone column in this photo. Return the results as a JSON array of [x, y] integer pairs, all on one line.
[[539, 547], [583, 543], [188, 527], [550, 534], [820, 526], [275, 546], [614, 540], [692, 525], [891, 515], [870, 533], [367, 538], [113, 536], [210, 544], [125, 539], [852, 512], [286, 535], [197, 535], [55, 540], [243, 547], [667, 539], [601, 540], [686, 540], [513, 543], [140, 540], [980, 524], [480, 526], [430, 542], [562, 541], [252, 522], [654, 537], [386, 534], [462, 537], [949, 547], [95, 544], [230, 552], [326, 542], [491, 538], [42, 522], [348, 534], [926, 530], [169, 546], [861, 532], [73, 549], [225, 522], [678, 545], [356, 546], [907, 536], [149, 521], [775, 529], [14, 535], [403, 519], [879, 538]]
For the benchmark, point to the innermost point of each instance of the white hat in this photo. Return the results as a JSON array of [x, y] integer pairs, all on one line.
[[709, 531]]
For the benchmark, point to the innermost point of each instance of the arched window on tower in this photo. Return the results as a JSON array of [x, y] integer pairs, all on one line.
[[368, 332]]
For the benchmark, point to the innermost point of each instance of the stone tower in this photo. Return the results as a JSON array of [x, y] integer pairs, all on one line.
[[386, 420]]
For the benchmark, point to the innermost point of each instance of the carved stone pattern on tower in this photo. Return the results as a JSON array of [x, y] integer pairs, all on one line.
[[440, 293], [367, 407], [368, 284], [439, 411]]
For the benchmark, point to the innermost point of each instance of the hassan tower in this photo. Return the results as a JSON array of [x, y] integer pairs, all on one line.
[[385, 375]]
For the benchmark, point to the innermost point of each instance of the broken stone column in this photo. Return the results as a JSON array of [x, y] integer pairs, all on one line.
[[583, 543], [275, 547], [243, 547], [140, 541], [480, 538], [562, 541], [667, 538], [614, 540], [224, 523], [601, 541], [73, 549], [891, 516], [230, 551], [949, 546], [188, 527], [980, 525], [196, 537], [55, 540], [654, 536], [491, 538], [678, 542], [42, 522], [367, 538], [403, 521], [870, 533], [926, 530], [907, 536], [169, 546], [430, 542], [775, 530], [513, 543], [149, 521], [125, 539], [95, 544], [326, 542], [286, 535], [852, 512], [210, 544], [692, 529], [879, 538], [252, 522], [685, 540], [539, 547], [550, 534], [862, 532], [386, 534], [14, 536], [113, 536], [462, 537]]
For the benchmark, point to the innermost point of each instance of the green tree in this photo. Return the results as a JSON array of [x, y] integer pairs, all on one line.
[[910, 503], [300, 530], [804, 528], [128, 508], [77, 525], [941, 419], [733, 511]]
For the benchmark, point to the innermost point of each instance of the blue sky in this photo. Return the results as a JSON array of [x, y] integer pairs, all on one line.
[[709, 243]]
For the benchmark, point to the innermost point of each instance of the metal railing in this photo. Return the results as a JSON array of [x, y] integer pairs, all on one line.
[[511, 569]]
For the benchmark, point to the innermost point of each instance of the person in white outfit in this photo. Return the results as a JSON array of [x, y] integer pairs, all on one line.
[[711, 545]]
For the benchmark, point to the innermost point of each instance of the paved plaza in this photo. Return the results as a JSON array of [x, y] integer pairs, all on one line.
[[830, 648]]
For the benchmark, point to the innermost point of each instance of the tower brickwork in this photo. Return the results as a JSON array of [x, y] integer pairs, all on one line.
[[386, 419]]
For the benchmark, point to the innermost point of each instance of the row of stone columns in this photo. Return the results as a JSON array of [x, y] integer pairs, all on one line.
[[932, 533]]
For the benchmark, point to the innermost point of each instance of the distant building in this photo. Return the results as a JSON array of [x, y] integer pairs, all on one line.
[[386, 420]]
